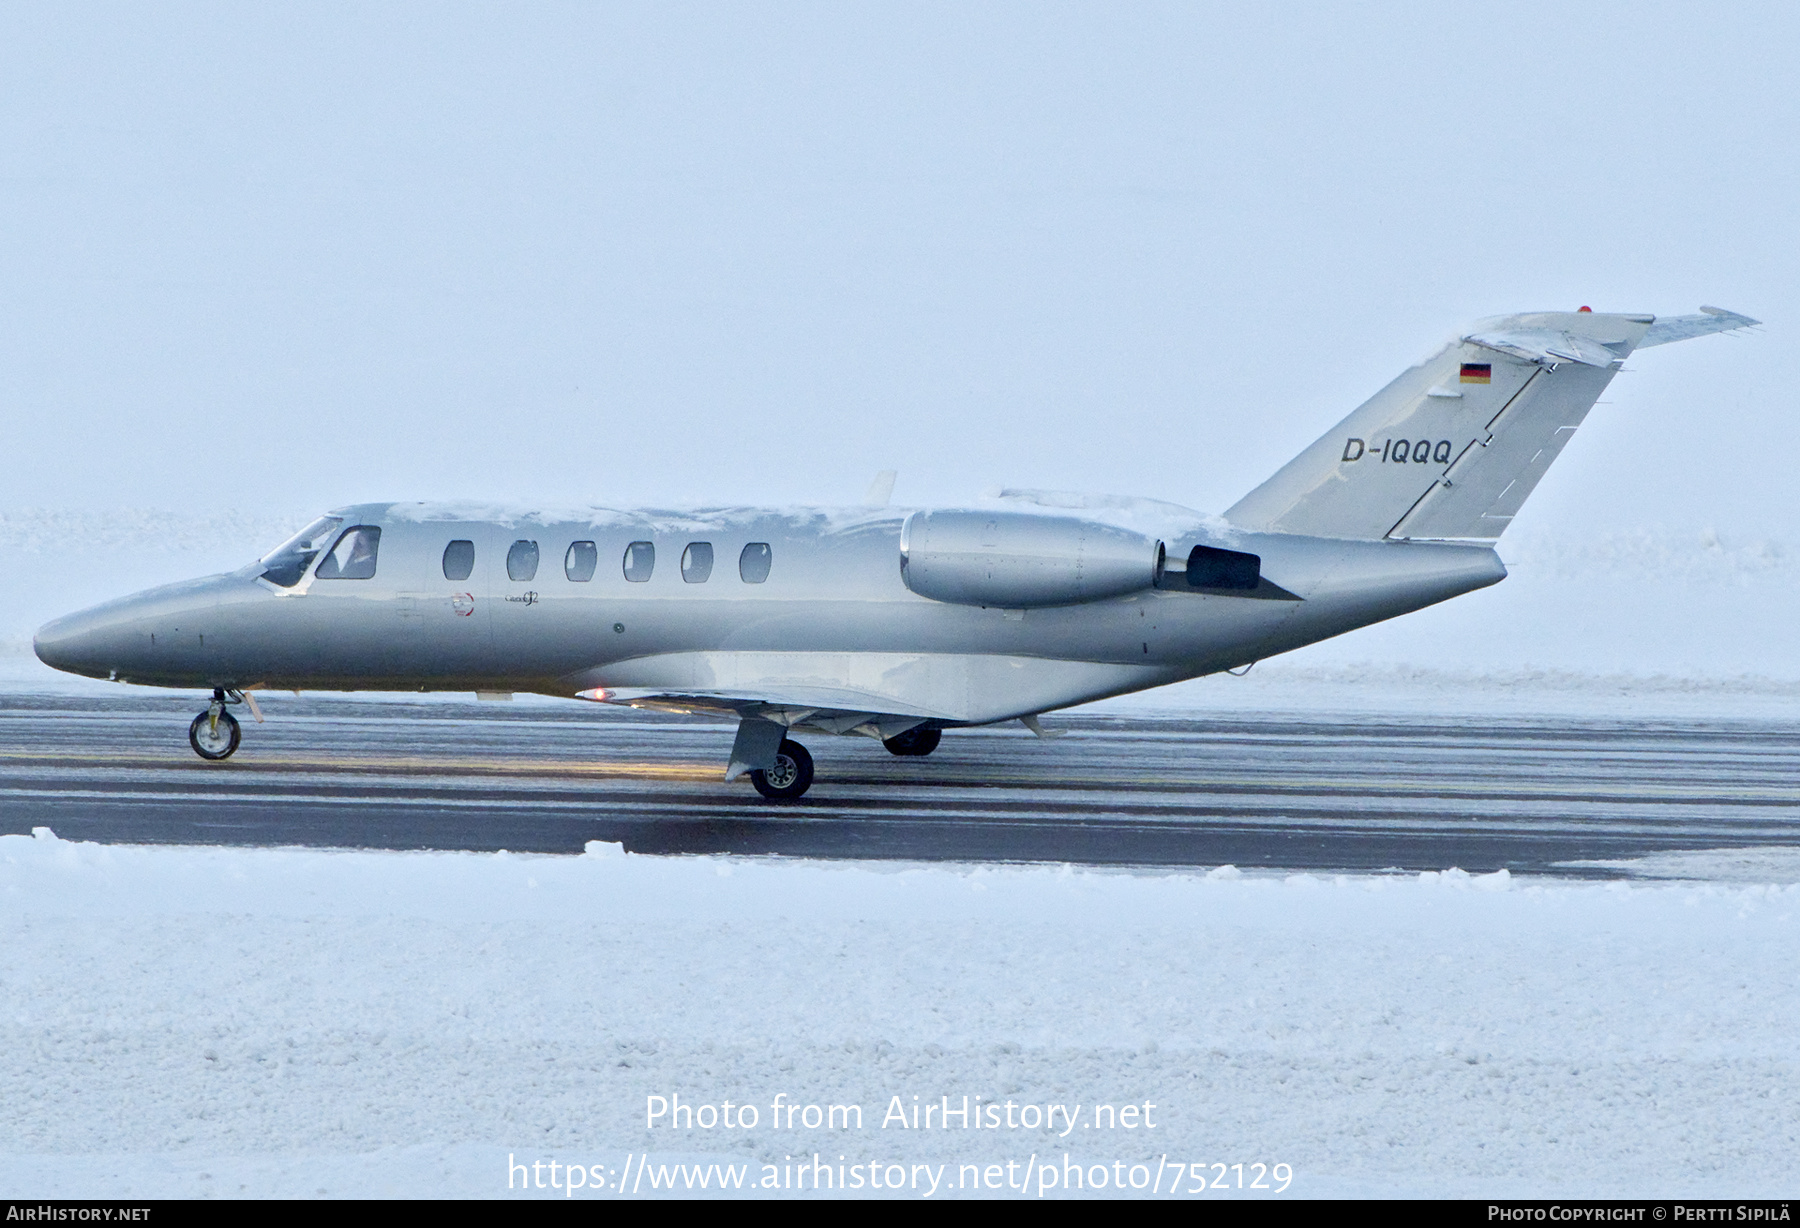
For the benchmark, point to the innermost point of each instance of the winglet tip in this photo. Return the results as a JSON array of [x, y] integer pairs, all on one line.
[[1744, 321]]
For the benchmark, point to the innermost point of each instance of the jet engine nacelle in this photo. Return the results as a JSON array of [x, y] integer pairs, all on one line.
[[1016, 560]]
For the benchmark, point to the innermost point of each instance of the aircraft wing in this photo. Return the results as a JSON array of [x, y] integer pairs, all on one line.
[[827, 709], [1680, 328]]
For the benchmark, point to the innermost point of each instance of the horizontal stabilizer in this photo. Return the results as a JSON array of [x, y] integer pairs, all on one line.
[[1552, 345], [1681, 328]]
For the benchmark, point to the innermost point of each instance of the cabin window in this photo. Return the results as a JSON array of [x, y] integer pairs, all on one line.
[[522, 561], [696, 562], [640, 561], [580, 561], [753, 563], [285, 564], [459, 560], [353, 557]]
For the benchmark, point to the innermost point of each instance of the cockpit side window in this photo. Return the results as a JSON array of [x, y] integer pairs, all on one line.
[[287, 563], [459, 559], [353, 557], [522, 561]]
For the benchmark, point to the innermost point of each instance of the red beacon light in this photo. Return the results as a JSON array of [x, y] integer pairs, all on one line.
[[1584, 309]]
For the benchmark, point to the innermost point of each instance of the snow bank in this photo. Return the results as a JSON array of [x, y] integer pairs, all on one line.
[[1702, 556], [1310, 686], [71, 535], [182, 1021]]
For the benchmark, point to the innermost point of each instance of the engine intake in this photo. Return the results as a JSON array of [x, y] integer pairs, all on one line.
[[1016, 560]]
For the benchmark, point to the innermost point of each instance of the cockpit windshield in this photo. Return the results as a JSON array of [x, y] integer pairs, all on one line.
[[288, 562]]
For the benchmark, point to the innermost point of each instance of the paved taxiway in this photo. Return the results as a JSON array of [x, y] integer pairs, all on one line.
[[1255, 791]]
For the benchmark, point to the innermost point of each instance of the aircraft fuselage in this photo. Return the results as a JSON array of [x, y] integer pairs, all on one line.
[[790, 600]]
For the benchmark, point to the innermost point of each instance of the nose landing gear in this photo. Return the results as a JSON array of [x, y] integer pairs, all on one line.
[[215, 734]]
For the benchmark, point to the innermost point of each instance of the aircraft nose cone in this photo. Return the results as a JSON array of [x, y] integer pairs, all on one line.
[[76, 644]]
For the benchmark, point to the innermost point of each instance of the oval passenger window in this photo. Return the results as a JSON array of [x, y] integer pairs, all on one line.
[[640, 561], [522, 561], [753, 563], [459, 560], [579, 562], [696, 562]]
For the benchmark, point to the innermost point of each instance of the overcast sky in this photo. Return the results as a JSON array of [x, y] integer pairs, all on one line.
[[304, 255]]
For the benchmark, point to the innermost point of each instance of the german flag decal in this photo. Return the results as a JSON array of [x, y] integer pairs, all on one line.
[[1478, 373]]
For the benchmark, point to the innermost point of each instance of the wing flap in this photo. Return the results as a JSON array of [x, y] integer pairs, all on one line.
[[826, 709]]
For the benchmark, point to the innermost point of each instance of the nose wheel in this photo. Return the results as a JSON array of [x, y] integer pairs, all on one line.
[[788, 777], [215, 733]]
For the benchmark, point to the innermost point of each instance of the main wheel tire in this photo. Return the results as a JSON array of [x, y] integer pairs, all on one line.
[[919, 740], [789, 776], [212, 741]]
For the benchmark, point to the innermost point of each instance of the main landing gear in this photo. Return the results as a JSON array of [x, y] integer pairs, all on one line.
[[919, 740], [788, 777], [215, 734]]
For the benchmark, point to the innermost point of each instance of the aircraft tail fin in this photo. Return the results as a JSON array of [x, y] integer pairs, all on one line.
[[1450, 449]]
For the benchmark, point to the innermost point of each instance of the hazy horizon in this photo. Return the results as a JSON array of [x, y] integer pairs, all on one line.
[[295, 256]]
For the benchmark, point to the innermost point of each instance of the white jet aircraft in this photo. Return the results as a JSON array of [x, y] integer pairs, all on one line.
[[892, 624]]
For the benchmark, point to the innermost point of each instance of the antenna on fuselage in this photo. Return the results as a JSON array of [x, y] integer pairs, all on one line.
[[881, 489]]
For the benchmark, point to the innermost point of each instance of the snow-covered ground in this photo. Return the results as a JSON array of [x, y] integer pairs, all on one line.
[[290, 1022]]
